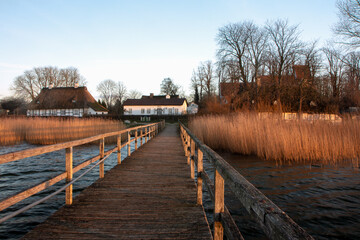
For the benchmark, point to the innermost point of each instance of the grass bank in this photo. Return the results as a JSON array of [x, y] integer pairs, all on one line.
[[272, 138], [53, 130]]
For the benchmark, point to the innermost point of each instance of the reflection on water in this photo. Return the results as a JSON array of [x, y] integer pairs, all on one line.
[[325, 201], [20, 175]]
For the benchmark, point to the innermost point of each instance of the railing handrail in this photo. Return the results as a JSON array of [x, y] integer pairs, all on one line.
[[150, 131], [13, 156], [275, 222]]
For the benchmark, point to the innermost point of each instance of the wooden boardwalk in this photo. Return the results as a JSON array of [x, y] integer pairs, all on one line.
[[149, 196]]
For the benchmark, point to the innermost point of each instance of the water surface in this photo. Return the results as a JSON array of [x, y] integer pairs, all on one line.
[[325, 200]]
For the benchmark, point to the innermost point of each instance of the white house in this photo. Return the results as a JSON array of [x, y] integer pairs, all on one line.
[[155, 105], [65, 101], [193, 108]]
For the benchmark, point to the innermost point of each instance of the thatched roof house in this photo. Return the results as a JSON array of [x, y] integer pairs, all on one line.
[[65, 101]]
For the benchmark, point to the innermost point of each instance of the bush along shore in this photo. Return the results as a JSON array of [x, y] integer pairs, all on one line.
[[53, 130], [318, 142]]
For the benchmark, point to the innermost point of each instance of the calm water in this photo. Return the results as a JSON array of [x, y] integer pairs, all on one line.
[[23, 174], [325, 201]]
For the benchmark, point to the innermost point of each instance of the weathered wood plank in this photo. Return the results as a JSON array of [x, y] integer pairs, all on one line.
[[149, 196]]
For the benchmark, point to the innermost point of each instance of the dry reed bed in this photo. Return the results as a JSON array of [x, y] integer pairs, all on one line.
[[53, 130], [272, 138]]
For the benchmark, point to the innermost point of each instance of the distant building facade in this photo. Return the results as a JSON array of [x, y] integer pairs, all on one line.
[[156, 105], [65, 101], [193, 108]]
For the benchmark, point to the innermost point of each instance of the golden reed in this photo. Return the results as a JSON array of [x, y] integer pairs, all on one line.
[[53, 130], [318, 142]]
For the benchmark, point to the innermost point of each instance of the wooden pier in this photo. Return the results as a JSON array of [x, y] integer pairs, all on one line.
[[156, 193], [149, 196]]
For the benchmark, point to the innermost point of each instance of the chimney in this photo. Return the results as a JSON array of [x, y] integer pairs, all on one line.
[[51, 86], [76, 85], [151, 95]]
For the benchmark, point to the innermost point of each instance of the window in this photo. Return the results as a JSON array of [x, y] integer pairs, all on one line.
[[130, 110], [142, 110], [170, 111], [76, 111], [62, 112], [148, 110], [176, 111]]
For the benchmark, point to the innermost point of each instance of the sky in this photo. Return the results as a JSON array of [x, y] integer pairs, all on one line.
[[136, 42]]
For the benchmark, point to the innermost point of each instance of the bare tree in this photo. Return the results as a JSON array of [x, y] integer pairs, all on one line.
[[121, 92], [352, 75], [283, 51], [335, 70], [107, 90], [207, 74], [70, 76], [25, 86], [233, 41], [32, 81], [348, 25], [168, 87], [134, 94]]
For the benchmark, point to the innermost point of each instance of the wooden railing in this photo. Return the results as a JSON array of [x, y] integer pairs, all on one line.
[[145, 131], [275, 223]]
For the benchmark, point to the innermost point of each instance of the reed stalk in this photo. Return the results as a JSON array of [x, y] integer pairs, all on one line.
[[320, 142], [53, 130]]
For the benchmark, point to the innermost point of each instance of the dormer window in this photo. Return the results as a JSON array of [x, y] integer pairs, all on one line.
[[74, 101], [38, 102]]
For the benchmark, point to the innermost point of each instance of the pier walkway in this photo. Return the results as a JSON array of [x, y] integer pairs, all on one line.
[[150, 195]]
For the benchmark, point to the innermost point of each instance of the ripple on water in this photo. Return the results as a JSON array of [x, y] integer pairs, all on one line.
[[322, 200], [20, 175]]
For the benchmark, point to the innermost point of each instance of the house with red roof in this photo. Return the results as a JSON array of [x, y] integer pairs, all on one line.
[[156, 105], [65, 101]]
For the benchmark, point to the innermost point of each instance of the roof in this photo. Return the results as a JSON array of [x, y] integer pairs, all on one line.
[[301, 72], [155, 101], [229, 89], [65, 98]]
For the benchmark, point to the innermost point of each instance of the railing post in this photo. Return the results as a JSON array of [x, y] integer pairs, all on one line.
[[69, 174], [129, 148], [136, 139], [141, 136], [192, 158], [219, 206], [146, 134], [188, 149], [200, 170], [119, 149], [101, 165]]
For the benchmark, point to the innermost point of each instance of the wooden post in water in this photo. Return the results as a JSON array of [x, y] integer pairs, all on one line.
[[192, 158], [69, 174], [219, 206], [129, 148], [119, 149], [136, 139], [200, 169], [101, 166]]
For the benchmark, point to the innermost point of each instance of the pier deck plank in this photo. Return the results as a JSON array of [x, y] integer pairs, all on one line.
[[149, 196]]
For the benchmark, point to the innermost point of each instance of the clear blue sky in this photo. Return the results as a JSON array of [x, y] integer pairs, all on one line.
[[137, 42]]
